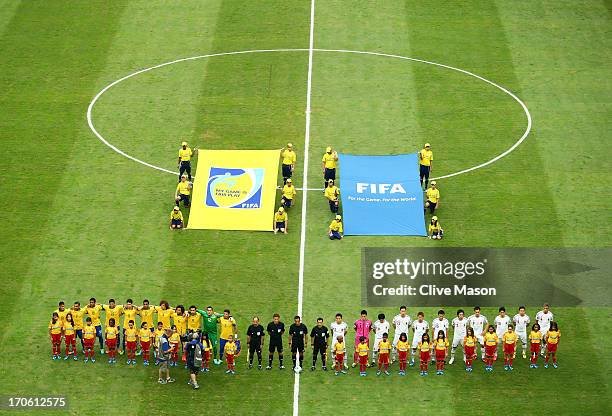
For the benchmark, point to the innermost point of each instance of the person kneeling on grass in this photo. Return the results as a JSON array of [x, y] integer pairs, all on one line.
[[176, 219], [435, 229], [289, 193], [183, 192], [335, 228], [281, 221]]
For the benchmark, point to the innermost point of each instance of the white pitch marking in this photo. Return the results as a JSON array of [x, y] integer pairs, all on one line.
[[296, 380], [495, 159]]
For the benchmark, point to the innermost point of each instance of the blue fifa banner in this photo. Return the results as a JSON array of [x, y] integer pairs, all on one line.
[[381, 195]]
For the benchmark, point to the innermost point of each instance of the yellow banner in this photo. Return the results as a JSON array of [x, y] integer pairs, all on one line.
[[234, 190]]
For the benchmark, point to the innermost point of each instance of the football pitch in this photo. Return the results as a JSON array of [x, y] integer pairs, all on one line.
[[373, 78]]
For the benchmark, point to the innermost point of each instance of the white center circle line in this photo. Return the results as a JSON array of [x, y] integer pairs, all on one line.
[[193, 58]]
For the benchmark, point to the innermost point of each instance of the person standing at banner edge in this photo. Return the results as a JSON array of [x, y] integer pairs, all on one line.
[[289, 158], [425, 164], [432, 196], [331, 193], [335, 228], [280, 221], [184, 160], [330, 162]]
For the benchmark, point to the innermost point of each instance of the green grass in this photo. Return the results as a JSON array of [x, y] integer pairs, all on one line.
[[82, 221]]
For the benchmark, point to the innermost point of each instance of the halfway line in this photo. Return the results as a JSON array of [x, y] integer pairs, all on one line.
[[296, 382]]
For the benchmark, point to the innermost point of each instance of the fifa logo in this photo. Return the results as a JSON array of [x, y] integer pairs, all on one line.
[[380, 188]]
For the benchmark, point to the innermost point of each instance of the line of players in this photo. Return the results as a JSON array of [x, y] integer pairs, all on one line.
[[468, 333]]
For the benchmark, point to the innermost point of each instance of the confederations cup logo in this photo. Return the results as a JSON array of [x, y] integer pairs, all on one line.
[[234, 188]]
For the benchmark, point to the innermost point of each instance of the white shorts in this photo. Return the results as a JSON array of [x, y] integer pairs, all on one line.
[[500, 340], [543, 332], [376, 341], [415, 341], [457, 342], [480, 339], [522, 337]]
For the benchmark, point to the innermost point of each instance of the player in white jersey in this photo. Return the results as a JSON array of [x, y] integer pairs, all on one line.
[[419, 327], [338, 327], [438, 324], [479, 324], [401, 324], [459, 324], [544, 318], [501, 326], [521, 322], [380, 327]]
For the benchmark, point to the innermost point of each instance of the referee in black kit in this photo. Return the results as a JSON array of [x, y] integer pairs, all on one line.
[[319, 335], [275, 329], [298, 339], [255, 336]]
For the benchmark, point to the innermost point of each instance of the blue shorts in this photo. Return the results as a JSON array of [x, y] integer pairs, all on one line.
[[177, 222], [185, 199], [280, 225]]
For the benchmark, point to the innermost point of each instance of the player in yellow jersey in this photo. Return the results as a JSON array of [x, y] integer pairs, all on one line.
[[183, 192], [231, 351], [111, 333], [469, 348], [130, 337], [176, 219], [61, 311], [114, 311], [194, 320], [69, 337], [93, 310], [435, 230], [144, 336], [363, 350], [339, 353], [227, 325], [425, 353], [289, 158], [509, 340], [432, 196], [330, 163], [289, 194], [332, 193], [129, 314], [441, 351], [55, 332], [490, 341], [164, 314], [402, 347], [180, 320], [535, 341], [384, 350], [425, 163], [336, 229], [184, 160], [77, 316], [281, 221], [146, 312], [552, 342], [89, 337]]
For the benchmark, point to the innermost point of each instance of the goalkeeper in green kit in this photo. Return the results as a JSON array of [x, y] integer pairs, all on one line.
[[211, 319]]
